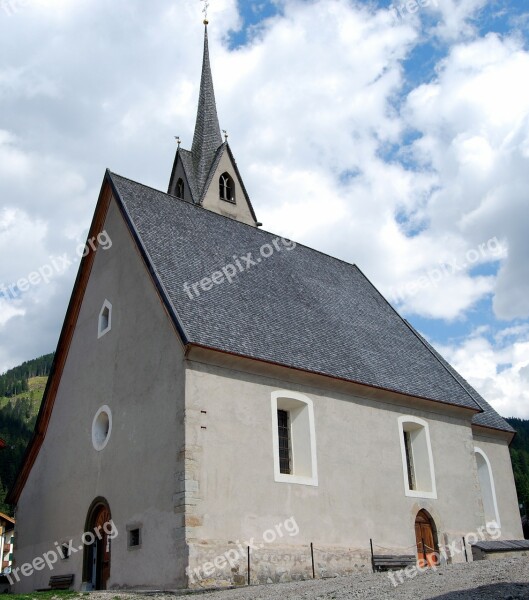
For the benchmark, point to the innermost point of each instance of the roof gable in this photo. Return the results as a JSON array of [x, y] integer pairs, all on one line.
[[241, 209], [183, 165]]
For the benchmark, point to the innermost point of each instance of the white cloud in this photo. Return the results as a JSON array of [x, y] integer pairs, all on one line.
[[473, 120], [317, 120], [456, 18], [500, 372]]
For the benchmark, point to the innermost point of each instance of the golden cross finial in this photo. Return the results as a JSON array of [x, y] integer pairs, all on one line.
[[177, 138], [205, 10], [225, 135]]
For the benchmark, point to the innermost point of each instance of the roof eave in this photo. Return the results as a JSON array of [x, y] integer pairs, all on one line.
[[332, 377], [487, 429]]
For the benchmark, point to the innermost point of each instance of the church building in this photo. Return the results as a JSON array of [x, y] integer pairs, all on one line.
[[226, 405]]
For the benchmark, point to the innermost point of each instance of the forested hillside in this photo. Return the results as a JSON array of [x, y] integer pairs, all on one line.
[[15, 381], [21, 392]]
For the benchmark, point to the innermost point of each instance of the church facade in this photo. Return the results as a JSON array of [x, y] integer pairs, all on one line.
[[228, 406]]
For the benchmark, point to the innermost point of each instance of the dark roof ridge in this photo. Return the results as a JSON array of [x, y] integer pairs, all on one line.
[[436, 356], [474, 394], [211, 172], [148, 259], [150, 187]]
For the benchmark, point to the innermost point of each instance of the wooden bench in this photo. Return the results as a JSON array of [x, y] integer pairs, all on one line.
[[59, 582], [392, 562]]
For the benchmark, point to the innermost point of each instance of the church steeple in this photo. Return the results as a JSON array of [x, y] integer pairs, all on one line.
[[207, 137], [208, 174]]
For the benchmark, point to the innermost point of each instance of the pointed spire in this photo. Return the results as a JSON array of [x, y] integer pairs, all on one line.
[[207, 137]]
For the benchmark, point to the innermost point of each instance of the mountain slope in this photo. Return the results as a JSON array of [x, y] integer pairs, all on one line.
[[21, 392]]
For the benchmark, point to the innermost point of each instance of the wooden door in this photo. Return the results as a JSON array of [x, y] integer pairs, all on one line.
[[425, 539], [102, 548]]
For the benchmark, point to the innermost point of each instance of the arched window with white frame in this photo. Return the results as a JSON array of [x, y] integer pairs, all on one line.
[[417, 458], [293, 438], [488, 490]]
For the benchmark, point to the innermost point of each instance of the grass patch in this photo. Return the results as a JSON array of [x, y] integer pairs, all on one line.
[[36, 385]]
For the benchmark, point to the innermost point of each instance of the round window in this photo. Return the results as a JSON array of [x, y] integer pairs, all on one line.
[[101, 428]]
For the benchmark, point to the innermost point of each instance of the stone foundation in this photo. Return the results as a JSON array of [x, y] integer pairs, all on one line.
[[218, 565]]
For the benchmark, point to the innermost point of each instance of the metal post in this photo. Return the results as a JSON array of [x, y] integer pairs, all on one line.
[[248, 565], [372, 556], [465, 548], [312, 557]]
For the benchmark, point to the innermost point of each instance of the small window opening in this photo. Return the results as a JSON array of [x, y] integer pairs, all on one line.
[[226, 188], [105, 319], [284, 441], [293, 438], [417, 457], [65, 551], [180, 188], [134, 538], [409, 460]]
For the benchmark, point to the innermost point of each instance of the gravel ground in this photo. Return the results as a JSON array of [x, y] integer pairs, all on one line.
[[506, 579]]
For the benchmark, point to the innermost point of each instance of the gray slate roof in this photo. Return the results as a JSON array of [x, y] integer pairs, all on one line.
[[187, 161], [207, 137], [299, 308], [502, 545]]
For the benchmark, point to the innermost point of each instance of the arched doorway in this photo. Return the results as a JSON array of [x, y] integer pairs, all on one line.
[[96, 563], [426, 539]]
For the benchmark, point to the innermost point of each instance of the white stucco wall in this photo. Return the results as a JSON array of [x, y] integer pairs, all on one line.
[[137, 370], [497, 452], [360, 492]]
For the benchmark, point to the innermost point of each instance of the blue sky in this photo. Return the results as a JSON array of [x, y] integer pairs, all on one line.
[[401, 145]]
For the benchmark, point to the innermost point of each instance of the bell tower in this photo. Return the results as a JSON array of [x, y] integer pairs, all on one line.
[[207, 174]]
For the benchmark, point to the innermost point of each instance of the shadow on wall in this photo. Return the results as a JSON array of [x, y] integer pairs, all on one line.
[[507, 591]]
